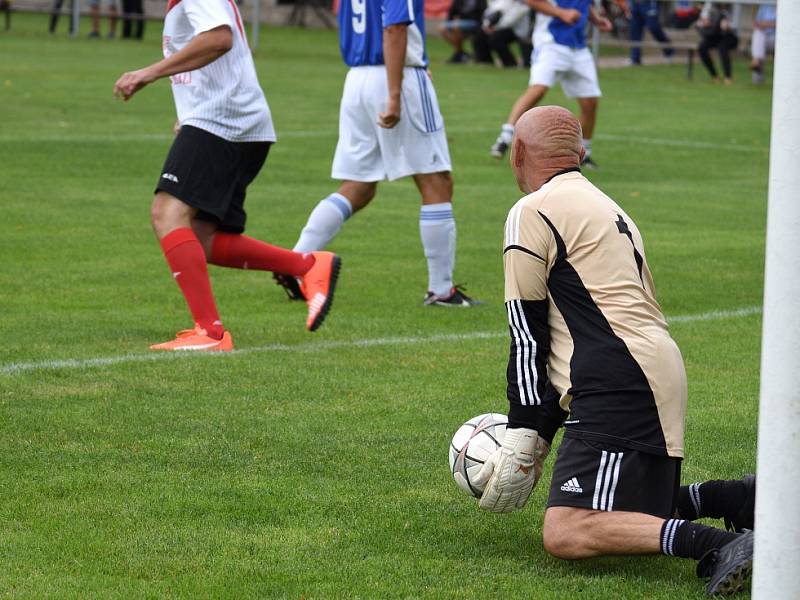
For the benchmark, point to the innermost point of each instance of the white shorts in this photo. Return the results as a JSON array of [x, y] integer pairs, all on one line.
[[761, 42], [368, 152], [575, 69]]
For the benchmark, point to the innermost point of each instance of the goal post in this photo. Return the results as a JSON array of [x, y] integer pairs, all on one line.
[[776, 571]]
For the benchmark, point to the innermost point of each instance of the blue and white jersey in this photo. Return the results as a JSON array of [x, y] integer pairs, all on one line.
[[549, 30], [767, 14], [361, 24]]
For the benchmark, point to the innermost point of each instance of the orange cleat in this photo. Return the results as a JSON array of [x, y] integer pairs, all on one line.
[[197, 340], [317, 286]]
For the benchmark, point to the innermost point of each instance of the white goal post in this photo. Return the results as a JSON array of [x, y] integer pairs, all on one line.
[[776, 572]]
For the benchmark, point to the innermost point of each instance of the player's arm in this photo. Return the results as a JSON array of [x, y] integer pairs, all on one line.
[[395, 38], [397, 16], [570, 16], [204, 49], [599, 20], [624, 7], [512, 472]]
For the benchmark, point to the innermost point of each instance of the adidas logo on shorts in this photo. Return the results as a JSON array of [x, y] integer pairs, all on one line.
[[170, 177], [572, 486]]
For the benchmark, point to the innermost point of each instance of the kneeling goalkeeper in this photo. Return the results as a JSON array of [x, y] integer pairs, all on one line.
[[590, 349]]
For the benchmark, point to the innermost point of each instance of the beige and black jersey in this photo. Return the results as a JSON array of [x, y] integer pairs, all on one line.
[[586, 330]]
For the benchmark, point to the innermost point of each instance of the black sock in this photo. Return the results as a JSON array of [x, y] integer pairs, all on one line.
[[714, 499], [689, 502], [691, 540]]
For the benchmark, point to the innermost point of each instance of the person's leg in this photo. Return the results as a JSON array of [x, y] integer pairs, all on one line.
[[731, 500], [654, 26], [327, 218], [619, 501], [127, 9], [576, 533], [139, 12], [588, 118], [437, 229], [636, 30], [548, 63], [453, 36], [703, 50], [525, 50], [500, 41], [172, 223], [529, 98], [481, 53], [758, 48], [726, 45], [94, 9], [357, 162], [54, 14], [113, 13]]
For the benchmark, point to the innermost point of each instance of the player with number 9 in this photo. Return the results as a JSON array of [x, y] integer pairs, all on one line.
[[390, 127]]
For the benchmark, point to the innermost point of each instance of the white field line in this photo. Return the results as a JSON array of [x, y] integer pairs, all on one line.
[[150, 137], [74, 364]]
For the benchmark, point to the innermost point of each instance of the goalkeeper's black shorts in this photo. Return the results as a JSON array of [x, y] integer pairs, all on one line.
[[594, 475]]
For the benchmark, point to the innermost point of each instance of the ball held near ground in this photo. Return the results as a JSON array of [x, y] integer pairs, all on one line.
[[473, 443]]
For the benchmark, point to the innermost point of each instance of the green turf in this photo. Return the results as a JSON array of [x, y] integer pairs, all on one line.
[[309, 466]]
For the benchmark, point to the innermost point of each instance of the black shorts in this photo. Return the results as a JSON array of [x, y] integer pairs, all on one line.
[[594, 475], [212, 174]]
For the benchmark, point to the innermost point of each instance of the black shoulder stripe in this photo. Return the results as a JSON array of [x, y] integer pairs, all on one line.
[[525, 250], [561, 248]]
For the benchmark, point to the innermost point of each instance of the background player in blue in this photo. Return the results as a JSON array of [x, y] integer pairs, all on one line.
[[641, 14], [389, 127], [560, 54]]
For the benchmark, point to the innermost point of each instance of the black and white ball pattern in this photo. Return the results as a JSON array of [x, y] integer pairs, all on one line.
[[474, 442]]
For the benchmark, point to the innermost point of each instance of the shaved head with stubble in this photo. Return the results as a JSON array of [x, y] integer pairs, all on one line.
[[547, 140]]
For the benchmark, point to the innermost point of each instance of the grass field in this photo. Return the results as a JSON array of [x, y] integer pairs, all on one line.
[[314, 465]]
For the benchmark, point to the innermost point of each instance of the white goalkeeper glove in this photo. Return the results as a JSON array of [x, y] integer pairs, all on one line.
[[512, 471]]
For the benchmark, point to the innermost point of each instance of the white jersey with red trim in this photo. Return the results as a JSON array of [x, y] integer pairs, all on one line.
[[224, 97]]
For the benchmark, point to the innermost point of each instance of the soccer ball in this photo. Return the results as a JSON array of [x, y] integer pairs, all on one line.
[[474, 442]]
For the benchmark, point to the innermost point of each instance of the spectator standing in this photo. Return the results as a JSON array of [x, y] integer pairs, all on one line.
[[764, 18], [641, 14], [463, 22], [717, 32], [132, 19]]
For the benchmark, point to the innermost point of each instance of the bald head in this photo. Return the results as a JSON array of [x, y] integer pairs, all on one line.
[[547, 139]]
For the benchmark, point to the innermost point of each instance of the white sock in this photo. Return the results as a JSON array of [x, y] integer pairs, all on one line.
[[324, 223], [437, 229], [587, 145], [507, 133]]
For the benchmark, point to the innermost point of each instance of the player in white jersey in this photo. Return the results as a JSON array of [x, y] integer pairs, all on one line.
[[560, 54], [224, 135], [389, 127]]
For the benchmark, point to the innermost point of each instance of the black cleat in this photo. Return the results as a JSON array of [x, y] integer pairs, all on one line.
[[289, 285], [498, 149], [457, 297], [728, 568], [589, 164], [745, 517]]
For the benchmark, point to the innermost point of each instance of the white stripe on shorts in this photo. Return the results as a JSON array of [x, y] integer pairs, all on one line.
[[606, 482]]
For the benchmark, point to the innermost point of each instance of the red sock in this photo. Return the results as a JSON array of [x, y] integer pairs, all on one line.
[[243, 252], [187, 261]]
